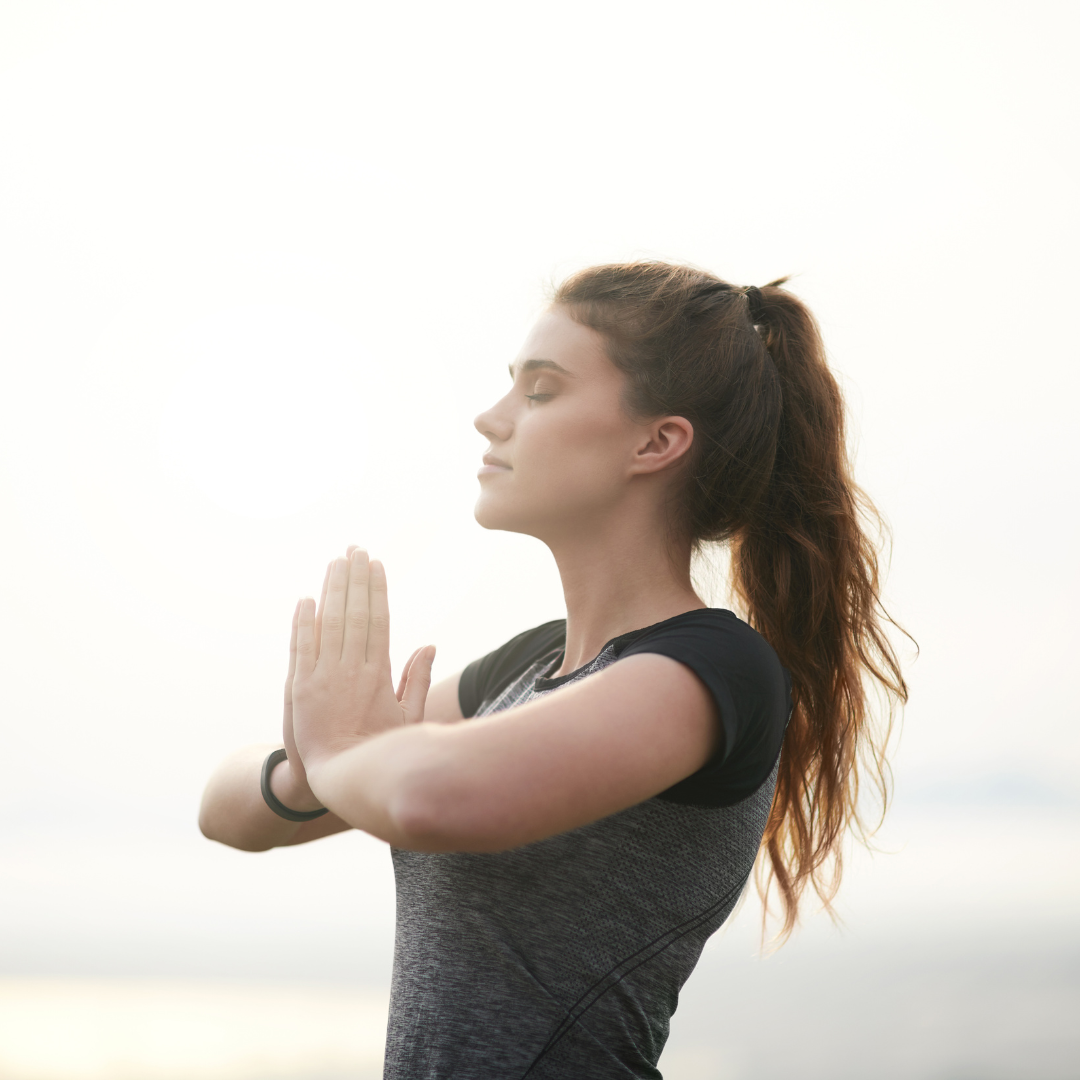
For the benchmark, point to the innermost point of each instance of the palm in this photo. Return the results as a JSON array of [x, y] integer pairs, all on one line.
[[340, 687]]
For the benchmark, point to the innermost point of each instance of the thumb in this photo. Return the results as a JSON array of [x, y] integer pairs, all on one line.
[[404, 680], [417, 684]]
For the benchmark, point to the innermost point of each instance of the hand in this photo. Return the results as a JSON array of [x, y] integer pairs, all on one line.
[[289, 780], [341, 690]]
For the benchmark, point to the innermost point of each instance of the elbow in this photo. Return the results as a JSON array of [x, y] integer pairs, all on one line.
[[234, 841], [437, 814], [208, 825], [215, 827], [418, 818]]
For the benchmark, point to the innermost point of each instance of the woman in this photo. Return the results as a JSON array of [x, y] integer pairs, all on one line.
[[562, 858]]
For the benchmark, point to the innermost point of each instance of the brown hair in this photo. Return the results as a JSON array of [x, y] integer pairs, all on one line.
[[769, 474]]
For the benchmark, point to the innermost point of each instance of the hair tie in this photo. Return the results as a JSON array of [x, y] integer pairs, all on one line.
[[755, 301]]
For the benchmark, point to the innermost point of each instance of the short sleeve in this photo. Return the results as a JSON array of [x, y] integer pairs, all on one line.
[[487, 677], [752, 691]]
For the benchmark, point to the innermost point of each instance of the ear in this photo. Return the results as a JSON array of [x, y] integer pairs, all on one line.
[[667, 442]]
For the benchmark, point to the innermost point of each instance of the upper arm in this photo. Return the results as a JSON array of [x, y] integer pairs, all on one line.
[[564, 760]]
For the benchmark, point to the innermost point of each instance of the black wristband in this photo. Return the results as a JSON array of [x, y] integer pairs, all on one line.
[[275, 804]]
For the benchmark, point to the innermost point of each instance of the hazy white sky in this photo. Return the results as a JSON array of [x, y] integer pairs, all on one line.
[[261, 263]]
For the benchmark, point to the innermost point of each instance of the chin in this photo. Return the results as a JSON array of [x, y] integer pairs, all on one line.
[[489, 516], [495, 514]]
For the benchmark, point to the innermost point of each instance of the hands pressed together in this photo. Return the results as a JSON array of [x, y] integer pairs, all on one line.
[[358, 748], [339, 691]]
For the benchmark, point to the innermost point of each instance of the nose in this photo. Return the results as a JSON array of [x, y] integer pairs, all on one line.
[[493, 424]]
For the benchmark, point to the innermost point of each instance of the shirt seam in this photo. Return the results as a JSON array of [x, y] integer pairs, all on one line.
[[575, 1012]]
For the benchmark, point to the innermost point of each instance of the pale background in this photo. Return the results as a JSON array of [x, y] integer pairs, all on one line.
[[260, 264]]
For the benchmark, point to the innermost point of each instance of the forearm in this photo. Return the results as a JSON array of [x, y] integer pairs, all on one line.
[[380, 784], [497, 782], [234, 813]]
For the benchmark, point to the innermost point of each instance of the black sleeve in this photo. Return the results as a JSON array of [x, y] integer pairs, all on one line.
[[487, 677], [752, 691]]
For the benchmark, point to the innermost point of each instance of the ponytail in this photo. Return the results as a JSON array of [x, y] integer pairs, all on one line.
[[770, 477], [807, 573]]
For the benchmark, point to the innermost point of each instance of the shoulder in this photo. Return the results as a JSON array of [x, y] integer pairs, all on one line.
[[486, 677], [718, 642], [750, 686], [717, 631]]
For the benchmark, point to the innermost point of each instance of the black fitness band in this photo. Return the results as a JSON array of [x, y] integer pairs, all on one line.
[[275, 804]]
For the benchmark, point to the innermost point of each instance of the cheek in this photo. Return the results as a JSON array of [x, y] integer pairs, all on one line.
[[583, 449], [567, 466]]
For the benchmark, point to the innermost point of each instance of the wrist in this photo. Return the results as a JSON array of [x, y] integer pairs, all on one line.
[[318, 759], [289, 785], [324, 770]]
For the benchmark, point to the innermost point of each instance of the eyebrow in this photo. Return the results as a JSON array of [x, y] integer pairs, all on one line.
[[535, 365]]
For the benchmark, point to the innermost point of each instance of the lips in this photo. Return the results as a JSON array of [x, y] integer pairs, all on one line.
[[493, 464]]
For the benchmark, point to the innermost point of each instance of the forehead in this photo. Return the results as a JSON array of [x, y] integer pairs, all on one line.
[[557, 338]]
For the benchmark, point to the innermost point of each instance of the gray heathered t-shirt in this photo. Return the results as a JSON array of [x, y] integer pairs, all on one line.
[[564, 958]]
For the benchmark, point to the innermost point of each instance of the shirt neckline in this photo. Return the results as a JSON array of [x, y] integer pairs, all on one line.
[[619, 643]]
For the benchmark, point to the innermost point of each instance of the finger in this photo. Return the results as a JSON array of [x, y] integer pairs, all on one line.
[[405, 675], [356, 609], [305, 638], [333, 620], [378, 638], [292, 660], [292, 644], [319, 610], [350, 549], [416, 689]]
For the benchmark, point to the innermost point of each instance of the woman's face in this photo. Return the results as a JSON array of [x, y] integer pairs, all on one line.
[[562, 446]]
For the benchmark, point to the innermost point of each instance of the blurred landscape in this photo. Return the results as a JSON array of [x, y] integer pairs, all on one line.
[[959, 960], [926, 1009], [260, 264]]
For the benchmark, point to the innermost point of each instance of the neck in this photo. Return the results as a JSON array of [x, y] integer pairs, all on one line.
[[617, 579]]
